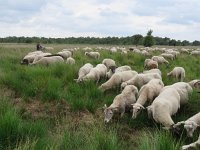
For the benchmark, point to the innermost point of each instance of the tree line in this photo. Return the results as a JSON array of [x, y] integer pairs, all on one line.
[[137, 39]]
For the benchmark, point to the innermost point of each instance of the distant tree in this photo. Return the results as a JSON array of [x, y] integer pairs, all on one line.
[[196, 43], [185, 43], [136, 39], [149, 39], [172, 42]]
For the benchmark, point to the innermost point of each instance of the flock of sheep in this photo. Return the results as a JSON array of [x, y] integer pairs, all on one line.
[[138, 89]]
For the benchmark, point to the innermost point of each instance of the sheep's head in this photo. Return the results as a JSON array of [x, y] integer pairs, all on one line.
[[197, 85], [190, 127], [109, 112], [123, 85], [136, 109]]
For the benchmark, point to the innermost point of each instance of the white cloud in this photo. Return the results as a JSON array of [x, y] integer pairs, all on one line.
[[177, 19]]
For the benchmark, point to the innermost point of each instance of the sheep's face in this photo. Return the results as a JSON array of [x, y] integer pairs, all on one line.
[[123, 85], [197, 85], [190, 128], [108, 114], [136, 111]]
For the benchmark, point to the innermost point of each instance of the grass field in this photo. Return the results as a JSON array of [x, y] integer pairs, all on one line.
[[44, 108]]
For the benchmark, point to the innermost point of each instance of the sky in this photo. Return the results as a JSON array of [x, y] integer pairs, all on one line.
[[176, 19]]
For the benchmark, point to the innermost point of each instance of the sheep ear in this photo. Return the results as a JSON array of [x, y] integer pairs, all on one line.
[[178, 124]]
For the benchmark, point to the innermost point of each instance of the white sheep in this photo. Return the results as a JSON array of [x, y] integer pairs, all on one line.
[[117, 79], [178, 73], [147, 93], [121, 102], [118, 69], [39, 56], [195, 53], [48, 48], [164, 106], [184, 89], [70, 61], [160, 60], [96, 73], [141, 79], [46, 61], [29, 58], [192, 145], [169, 56], [195, 83], [109, 63], [83, 71], [190, 124], [150, 64], [65, 54], [153, 71], [95, 55]]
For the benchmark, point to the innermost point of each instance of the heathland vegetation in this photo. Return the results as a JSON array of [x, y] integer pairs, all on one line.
[[44, 108]]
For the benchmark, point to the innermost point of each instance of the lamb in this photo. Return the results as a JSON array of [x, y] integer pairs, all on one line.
[[70, 61], [109, 63], [195, 83], [65, 54], [46, 61], [96, 73], [184, 89], [178, 73], [192, 145], [95, 55], [83, 71], [121, 102], [147, 93], [119, 69], [190, 124], [153, 71], [164, 106], [141, 79], [117, 79], [160, 59], [150, 64]]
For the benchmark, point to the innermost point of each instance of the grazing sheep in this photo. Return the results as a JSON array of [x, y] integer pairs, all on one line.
[[96, 73], [153, 71], [29, 58], [164, 106], [46, 61], [160, 60], [48, 48], [65, 54], [83, 71], [109, 63], [195, 83], [141, 79], [195, 53], [184, 89], [190, 124], [121, 102], [39, 56], [117, 79], [70, 61], [95, 55], [119, 69], [178, 73], [192, 145], [169, 56], [150, 64], [113, 50], [147, 93]]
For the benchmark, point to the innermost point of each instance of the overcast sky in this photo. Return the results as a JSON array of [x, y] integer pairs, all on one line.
[[176, 19]]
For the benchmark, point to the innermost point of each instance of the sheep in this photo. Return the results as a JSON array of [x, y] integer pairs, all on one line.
[[96, 73], [46, 61], [195, 83], [48, 48], [192, 145], [160, 59], [39, 56], [109, 63], [195, 53], [190, 124], [153, 71], [164, 106], [29, 58], [83, 71], [117, 79], [95, 55], [147, 93], [184, 89], [169, 56], [70, 61], [113, 49], [65, 54], [150, 64], [178, 73], [121, 102], [141, 79], [119, 69]]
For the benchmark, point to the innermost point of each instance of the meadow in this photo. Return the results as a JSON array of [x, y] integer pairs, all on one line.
[[43, 108]]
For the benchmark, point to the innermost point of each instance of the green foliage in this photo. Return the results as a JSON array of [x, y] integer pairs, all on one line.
[[149, 39]]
